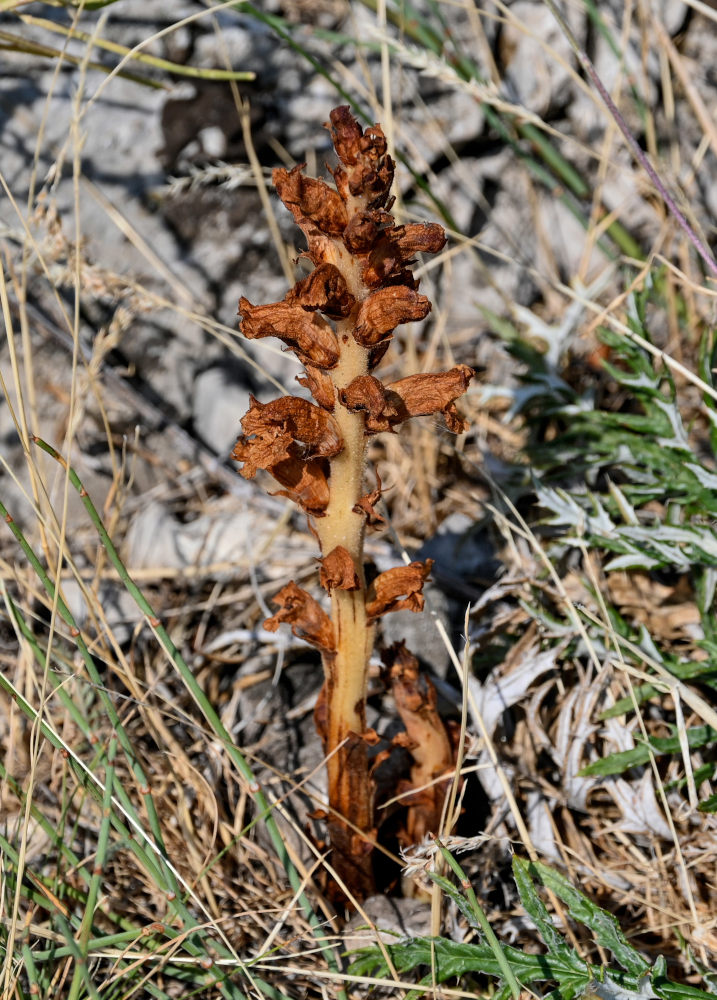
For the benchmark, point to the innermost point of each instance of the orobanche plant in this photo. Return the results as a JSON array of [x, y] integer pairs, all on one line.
[[339, 321]]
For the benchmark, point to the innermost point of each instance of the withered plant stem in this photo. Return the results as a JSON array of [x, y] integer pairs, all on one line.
[[316, 451], [346, 670]]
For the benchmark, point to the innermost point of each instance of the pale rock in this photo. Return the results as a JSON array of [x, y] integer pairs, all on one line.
[[228, 532], [538, 56], [218, 404], [390, 920]]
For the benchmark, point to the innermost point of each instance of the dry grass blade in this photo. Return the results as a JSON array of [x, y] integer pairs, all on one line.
[[146, 744]]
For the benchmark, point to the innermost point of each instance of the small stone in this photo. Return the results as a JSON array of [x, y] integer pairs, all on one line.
[[218, 404]]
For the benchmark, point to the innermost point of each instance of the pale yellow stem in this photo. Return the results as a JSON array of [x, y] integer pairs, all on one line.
[[347, 671]]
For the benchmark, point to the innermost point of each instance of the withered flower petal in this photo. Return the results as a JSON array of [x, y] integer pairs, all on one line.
[[306, 334], [365, 394], [319, 385], [261, 452], [431, 392], [427, 739], [385, 309], [314, 205], [305, 482], [397, 588], [416, 237], [307, 618], [367, 170], [290, 418], [397, 246], [324, 289], [338, 570]]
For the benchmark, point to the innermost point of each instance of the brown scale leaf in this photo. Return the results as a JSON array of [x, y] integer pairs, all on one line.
[[426, 738], [325, 289], [306, 334], [396, 248], [431, 392], [365, 505], [366, 394], [338, 570], [307, 618], [398, 588], [367, 170], [385, 309], [319, 385], [314, 205]]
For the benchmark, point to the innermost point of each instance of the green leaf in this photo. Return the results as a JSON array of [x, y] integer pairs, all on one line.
[[709, 805], [537, 910], [617, 763], [603, 925]]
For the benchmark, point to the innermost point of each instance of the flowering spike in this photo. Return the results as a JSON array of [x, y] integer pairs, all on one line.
[[339, 321]]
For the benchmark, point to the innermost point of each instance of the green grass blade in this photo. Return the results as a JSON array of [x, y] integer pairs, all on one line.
[[264, 807], [482, 921], [197, 72]]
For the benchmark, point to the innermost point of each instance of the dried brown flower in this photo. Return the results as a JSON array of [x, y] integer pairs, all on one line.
[[426, 738], [307, 618], [338, 570], [306, 334], [325, 289], [398, 588], [386, 309]]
